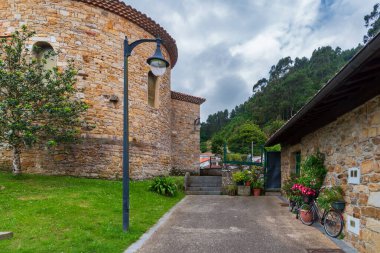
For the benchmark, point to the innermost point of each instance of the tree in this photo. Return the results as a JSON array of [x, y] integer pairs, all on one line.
[[203, 147], [36, 104], [217, 144], [372, 22], [242, 138]]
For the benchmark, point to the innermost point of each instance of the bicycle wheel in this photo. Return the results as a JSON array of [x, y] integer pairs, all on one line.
[[306, 214], [333, 223]]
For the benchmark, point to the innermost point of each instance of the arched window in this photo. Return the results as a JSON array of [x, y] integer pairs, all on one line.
[[152, 90], [42, 50]]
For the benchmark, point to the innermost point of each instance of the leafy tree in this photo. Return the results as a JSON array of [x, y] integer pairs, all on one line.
[[242, 138], [271, 127], [217, 144], [203, 147], [36, 104], [372, 22]]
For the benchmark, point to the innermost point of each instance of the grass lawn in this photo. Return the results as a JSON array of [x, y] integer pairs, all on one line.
[[66, 214]]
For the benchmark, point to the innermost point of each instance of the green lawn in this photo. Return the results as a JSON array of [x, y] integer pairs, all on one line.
[[66, 214]]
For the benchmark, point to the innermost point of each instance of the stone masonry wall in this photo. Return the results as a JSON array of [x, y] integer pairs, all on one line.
[[185, 138], [94, 38], [350, 141]]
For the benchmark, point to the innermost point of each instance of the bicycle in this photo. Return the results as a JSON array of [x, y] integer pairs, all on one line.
[[331, 220], [294, 207]]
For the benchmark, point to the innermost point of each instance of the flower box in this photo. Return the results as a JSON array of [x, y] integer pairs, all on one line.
[[244, 190]]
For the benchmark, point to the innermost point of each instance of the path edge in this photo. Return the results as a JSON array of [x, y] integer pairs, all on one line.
[[140, 242]]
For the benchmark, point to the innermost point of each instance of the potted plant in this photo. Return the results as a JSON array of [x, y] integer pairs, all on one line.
[[306, 214], [257, 185], [238, 177], [247, 177]]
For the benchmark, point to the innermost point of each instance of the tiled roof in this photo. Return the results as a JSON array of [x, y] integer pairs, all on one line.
[[120, 8], [187, 98]]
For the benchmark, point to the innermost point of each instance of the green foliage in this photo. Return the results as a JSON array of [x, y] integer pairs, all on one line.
[[239, 177], [313, 171], [85, 212], [234, 157], [258, 184], [36, 104], [203, 147], [164, 185], [214, 123], [288, 184], [217, 144], [231, 190], [271, 127], [241, 139], [275, 148], [329, 195], [372, 22]]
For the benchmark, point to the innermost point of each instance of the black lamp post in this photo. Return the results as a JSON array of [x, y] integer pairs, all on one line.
[[158, 66]]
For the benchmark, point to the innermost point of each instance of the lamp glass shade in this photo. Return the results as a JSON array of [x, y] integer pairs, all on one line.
[[157, 66]]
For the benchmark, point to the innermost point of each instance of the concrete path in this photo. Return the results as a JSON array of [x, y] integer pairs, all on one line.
[[234, 224]]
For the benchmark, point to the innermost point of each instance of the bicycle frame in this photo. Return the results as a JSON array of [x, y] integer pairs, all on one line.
[[316, 210]]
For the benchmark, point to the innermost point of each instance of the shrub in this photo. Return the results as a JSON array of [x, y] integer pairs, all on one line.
[[313, 171], [231, 190], [234, 157], [239, 177], [164, 185], [328, 196]]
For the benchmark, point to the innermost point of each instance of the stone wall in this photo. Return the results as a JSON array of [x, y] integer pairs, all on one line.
[[94, 37], [185, 137], [350, 141]]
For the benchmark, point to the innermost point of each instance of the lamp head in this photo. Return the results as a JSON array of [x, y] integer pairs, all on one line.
[[157, 62]]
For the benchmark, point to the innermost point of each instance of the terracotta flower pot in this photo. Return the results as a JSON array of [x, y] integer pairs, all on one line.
[[306, 215], [248, 183], [256, 192]]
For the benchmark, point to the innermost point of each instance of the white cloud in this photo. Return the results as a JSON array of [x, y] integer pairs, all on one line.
[[226, 46]]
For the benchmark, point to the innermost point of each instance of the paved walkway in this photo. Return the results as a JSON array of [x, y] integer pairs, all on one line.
[[234, 224]]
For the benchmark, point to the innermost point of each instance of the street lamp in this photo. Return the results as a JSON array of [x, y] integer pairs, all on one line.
[[158, 66]]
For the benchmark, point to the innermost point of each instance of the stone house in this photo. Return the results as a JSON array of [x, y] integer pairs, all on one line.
[[343, 121], [163, 123]]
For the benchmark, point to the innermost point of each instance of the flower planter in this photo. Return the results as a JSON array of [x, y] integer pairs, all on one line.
[[244, 190], [306, 215], [248, 183], [338, 205], [256, 192]]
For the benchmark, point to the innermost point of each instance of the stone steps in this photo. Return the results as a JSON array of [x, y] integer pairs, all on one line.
[[204, 185], [203, 192], [204, 188]]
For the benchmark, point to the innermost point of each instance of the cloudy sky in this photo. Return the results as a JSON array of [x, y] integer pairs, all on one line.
[[225, 46]]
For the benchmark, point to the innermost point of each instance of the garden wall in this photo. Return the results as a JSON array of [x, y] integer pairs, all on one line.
[[350, 141]]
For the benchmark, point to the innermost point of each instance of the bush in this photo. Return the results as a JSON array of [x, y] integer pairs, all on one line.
[[329, 195], [164, 185], [234, 157], [231, 190], [239, 177], [313, 171]]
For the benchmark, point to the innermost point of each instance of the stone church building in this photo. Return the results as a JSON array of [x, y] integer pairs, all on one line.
[[342, 121], [164, 132]]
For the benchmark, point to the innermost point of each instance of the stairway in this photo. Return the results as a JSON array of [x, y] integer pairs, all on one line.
[[204, 185]]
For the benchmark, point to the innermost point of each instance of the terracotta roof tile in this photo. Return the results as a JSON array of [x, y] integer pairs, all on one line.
[[187, 98], [140, 19]]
